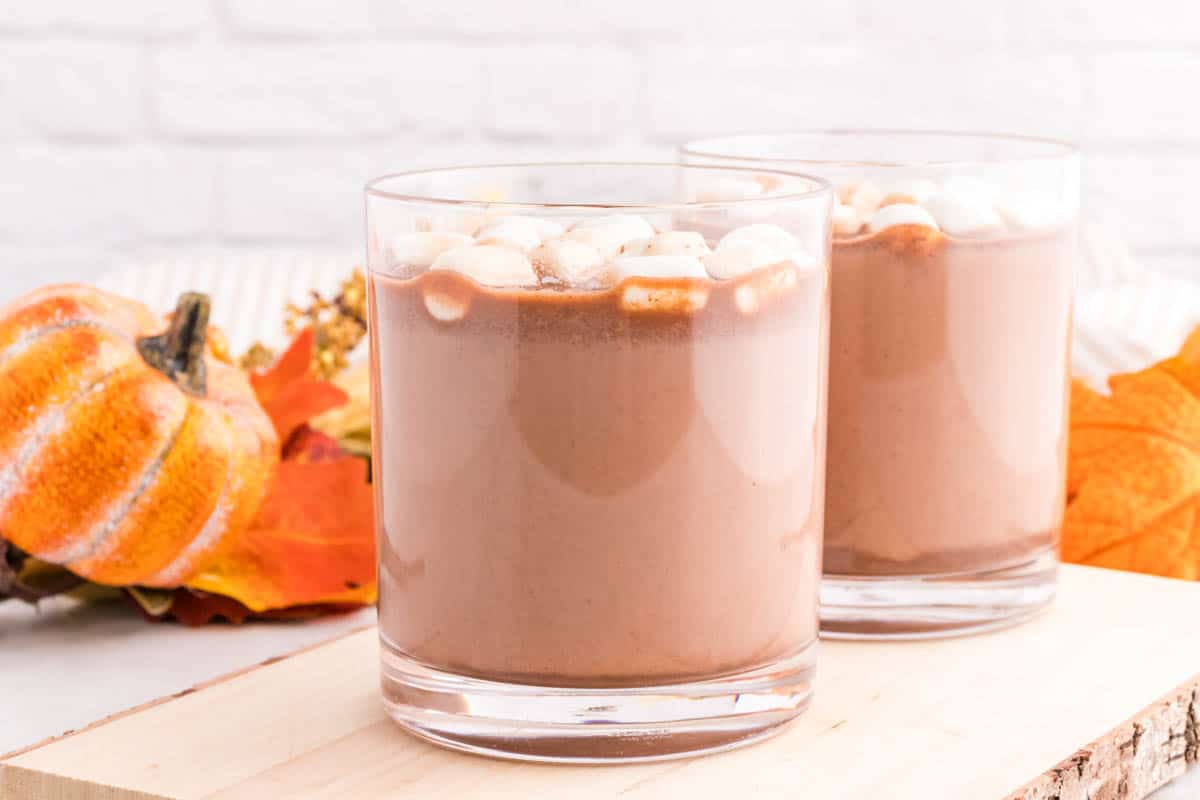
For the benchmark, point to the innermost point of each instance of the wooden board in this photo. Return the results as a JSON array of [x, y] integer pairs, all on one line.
[[1096, 699]]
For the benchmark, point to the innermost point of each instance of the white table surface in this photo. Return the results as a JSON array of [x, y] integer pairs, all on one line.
[[64, 665]]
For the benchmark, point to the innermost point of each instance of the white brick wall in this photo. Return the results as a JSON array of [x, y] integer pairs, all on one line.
[[582, 93], [138, 127], [87, 19], [1094, 24], [1139, 97], [776, 86], [57, 88], [301, 194], [318, 19], [626, 21], [303, 91]]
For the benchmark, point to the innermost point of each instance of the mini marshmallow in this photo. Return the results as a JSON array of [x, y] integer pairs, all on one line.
[[751, 247], [569, 261], [919, 189], [750, 295], [654, 267], [1029, 213], [761, 233], [630, 221], [965, 214], [489, 265], [674, 299], [900, 214], [747, 299], [895, 198], [608, 234], [776, 185], [422, 249], [504, 236], [732, 262], [966, 186], [547, 228], [865, 198], [846, 220], [725, 189], [523, 233], [672, 243], [446, 307]]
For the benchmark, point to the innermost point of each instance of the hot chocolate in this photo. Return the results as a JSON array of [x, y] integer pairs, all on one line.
[[599, 454], [947, 375], [952, 270], [578, 492]]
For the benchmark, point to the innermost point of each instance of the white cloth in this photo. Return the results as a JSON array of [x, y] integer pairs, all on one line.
[[64, 665]]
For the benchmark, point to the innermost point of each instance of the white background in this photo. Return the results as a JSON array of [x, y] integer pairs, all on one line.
[[134, 129]]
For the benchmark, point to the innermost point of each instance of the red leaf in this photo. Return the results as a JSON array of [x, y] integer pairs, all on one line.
[[289, 393], [199, 608], [308, 445]]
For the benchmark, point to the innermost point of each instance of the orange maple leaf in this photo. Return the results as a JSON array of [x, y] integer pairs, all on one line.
[[1133, 476], [312, 541], [289, 393]]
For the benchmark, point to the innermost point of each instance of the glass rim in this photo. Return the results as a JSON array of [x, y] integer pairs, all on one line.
[[1058, 149], [817, 186]]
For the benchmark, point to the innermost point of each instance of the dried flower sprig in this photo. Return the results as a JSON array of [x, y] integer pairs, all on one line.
[[259, 356], [339, 323]]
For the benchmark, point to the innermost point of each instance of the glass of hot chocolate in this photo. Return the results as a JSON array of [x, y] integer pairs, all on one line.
[[599, 443], [952, 271]]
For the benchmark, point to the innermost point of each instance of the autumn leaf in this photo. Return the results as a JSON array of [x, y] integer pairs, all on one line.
[[31, 579], [307, 445], [289, 392], [312, 541], [1133, 477], [200, 608]]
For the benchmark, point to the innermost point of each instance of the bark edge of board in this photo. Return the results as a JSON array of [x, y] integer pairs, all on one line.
[[1131, 761]]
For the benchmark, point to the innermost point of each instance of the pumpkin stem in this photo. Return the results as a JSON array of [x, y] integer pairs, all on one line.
[[179, 352]]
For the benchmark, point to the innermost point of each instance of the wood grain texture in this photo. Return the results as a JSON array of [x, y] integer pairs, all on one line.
[[1095, 700]]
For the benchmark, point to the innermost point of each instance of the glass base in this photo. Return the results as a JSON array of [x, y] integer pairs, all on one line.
[[933, 606], [594, 726]]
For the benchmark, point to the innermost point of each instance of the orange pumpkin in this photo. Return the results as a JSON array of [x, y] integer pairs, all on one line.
[[127, 452]]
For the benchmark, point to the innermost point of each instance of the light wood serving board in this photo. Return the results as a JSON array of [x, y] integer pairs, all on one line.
[[1097, 699]]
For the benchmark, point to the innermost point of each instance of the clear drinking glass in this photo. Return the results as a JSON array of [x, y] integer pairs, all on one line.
[[952, 272], [598, 454]]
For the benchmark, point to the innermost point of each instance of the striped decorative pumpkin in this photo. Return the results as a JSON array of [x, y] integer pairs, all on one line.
[[127, 453]]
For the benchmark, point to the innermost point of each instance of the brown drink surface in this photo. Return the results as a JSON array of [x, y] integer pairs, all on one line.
[[948, 401], [574, 493]]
